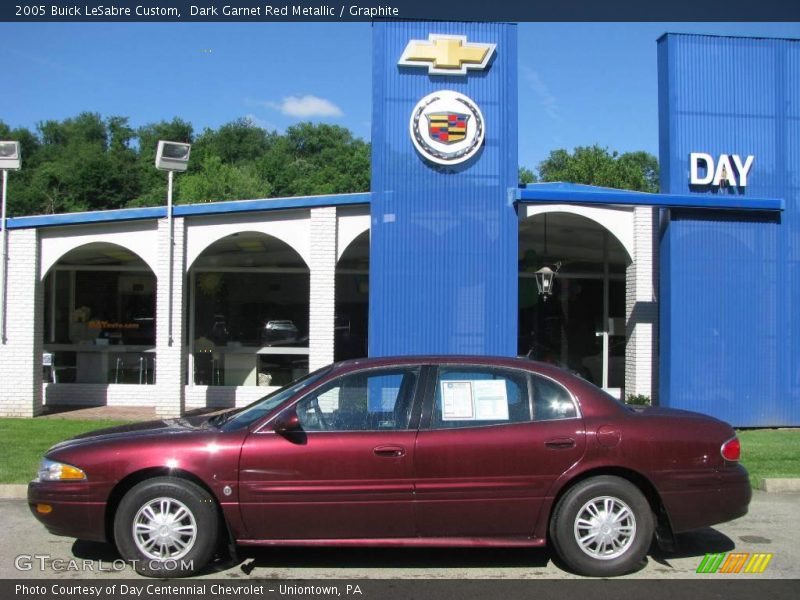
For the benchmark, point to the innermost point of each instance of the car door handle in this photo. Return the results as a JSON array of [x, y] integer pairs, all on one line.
[[560, 443], [389, 451]]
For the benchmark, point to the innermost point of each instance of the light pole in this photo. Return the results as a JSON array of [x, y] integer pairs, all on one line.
[[10, 160], [171, 157]]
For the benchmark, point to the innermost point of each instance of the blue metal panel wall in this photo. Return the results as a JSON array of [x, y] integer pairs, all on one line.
[[443, 256], [730, 281]]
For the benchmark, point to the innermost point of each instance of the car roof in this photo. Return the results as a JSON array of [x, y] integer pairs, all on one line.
[[474, 360]]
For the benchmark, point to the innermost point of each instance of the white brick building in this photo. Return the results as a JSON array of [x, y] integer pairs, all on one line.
[[263, 290]]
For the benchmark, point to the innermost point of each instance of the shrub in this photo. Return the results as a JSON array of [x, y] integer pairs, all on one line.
[[638, 399]]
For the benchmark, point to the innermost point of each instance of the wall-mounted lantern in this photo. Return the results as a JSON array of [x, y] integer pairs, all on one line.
[[545, 278]]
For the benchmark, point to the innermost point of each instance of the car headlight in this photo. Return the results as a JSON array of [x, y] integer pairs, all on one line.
[[50, 470]]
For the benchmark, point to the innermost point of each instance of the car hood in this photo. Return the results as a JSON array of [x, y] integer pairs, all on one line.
[[137, 430]]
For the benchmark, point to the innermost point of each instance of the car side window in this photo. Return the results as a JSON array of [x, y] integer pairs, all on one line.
[[372, 400], [551, 401], [473, 397]]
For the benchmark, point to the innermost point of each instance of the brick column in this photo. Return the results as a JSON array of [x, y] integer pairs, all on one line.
[[21, 392], [641, 307], [322, 297], [170, 398]]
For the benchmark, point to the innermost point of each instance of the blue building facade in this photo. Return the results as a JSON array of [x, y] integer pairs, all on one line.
[[443, 254], [730, 280]]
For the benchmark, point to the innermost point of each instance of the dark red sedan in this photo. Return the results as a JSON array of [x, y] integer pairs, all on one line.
[[442, 451]]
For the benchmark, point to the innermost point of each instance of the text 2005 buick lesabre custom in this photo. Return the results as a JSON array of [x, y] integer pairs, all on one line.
[[431, 451]]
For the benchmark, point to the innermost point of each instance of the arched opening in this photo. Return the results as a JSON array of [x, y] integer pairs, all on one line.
[[352, 300], [581, 326], [99, 317], [248, 312]]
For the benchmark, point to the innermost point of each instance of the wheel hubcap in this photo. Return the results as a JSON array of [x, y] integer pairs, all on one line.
[[164, 528], [605, 527]]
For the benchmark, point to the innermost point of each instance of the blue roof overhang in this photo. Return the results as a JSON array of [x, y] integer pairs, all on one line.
[[537, 192], [188, 210], [573, 193]]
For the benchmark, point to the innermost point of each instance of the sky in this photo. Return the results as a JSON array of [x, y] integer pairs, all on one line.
[[579, 83]]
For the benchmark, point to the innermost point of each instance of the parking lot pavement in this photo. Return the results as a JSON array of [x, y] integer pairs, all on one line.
[[770, 527]]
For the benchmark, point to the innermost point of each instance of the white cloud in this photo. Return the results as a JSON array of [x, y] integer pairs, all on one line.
[[547, 99], [306, 106]]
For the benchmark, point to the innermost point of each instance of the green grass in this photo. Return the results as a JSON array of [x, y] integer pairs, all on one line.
[[770, 453], [24, 442]]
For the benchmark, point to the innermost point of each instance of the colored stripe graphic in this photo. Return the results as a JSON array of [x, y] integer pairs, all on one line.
[[735, 562], [710, 563], [758, 563]]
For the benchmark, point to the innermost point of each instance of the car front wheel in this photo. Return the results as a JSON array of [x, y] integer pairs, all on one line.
[[602, 527], [166, 527]]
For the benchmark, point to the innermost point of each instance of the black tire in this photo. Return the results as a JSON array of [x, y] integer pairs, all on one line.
[[610, 547], [182, 546]]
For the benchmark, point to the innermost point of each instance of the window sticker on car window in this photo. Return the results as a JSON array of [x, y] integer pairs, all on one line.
[[491, 400], [457, 401], [474, 400]]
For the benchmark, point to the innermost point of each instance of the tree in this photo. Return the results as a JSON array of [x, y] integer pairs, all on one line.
[[74, 173], [593, 165], [235, 143], [82, 163], [217, 181], [316, 159], [526, 176], [90, 163]]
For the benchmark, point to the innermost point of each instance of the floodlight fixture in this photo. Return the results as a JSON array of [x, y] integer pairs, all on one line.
[[172, 156], [10, 160], [10, 156]]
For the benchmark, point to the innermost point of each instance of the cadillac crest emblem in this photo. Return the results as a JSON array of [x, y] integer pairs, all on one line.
[[447, 128]]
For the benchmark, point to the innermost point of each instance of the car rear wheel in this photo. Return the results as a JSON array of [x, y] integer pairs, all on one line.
[[602, 527], [166, 527]]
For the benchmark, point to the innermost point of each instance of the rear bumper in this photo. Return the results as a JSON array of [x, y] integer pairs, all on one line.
[[703, 498], [76, 512]]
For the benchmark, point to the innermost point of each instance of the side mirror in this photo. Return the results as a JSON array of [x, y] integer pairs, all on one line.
[[287, 422]]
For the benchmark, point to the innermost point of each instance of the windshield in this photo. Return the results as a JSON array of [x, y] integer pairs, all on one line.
[[260, 408]]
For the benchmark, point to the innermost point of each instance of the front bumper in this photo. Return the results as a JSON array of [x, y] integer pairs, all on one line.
[[76, 510]]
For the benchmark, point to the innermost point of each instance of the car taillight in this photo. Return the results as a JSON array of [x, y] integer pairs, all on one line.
[[731, 450]]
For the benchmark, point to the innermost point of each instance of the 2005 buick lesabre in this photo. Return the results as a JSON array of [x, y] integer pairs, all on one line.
[[431, 451]]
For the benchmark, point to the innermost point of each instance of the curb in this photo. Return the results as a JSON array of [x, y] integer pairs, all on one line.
[[775, 484], [13, 491]]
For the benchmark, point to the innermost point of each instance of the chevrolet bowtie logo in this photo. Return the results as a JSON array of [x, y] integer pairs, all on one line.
[[446, 54]]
